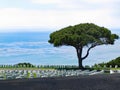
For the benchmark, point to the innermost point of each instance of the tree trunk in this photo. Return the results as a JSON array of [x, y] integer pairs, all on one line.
[[79, 55], [80, 63]]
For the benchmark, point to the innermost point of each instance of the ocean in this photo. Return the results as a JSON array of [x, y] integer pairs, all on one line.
[[33, 47]]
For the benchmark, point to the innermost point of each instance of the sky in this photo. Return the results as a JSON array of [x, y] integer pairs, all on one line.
[[51, 15]]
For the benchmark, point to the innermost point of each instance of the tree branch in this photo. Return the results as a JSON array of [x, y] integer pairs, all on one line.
[[92, 46]]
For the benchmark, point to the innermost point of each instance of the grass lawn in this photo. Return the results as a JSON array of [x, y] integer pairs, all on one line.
[[115, 68]]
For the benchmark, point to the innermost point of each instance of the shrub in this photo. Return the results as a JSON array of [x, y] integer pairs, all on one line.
[[24, 65], [112, 63]]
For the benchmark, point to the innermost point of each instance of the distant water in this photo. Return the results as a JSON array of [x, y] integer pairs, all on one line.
[[33, 47]]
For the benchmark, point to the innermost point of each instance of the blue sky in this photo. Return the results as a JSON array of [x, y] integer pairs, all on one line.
[[39, 15]]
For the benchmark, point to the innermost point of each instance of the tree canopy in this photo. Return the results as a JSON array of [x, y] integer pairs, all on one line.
[[82, 35]]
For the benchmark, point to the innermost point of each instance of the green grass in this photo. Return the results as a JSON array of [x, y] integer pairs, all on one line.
[[115, 68], [28, 75], [34, 75]]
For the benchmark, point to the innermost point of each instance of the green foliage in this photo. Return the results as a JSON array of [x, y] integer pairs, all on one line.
[[21, 66], [28, 75], [112, 63], [34, 75], [59, 67], [82, 34], [24, 65], [87, 66]]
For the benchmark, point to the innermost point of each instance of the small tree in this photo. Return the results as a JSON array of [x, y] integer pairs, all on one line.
[[82, 35]]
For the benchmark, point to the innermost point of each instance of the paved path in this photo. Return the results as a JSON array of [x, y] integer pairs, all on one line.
[[93, 82]]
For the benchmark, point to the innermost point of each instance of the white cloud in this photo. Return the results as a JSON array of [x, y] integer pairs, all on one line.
[[45, 1], [10, 18], [69, 4], [70, 1], [100, 1], [64, 13]]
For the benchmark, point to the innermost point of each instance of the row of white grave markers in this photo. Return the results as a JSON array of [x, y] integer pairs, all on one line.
[[116, 66], [17, 74]]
